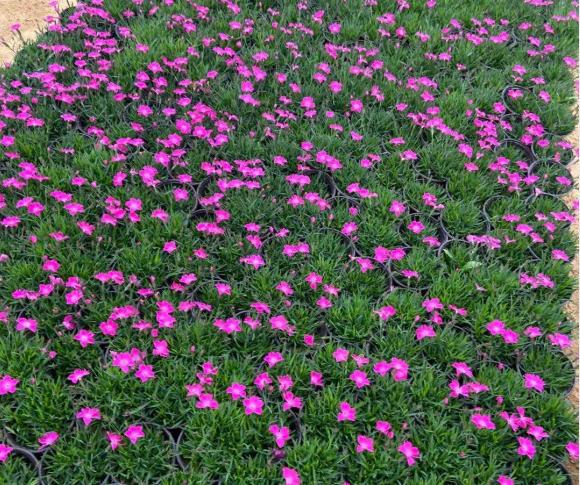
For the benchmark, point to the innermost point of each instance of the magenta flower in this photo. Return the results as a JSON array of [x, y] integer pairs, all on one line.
[[145, 373], [88, 415], [254, 260], [526, 447], [273, 358], [26, 324], [572, 449], [236, 391], [281, 434], [253, 405], [48, 439], [482, 421], [384, 427], [134, 433], [114, 440], [360, 379], [85, 338], [8, 385], [533, 381], [340, 355], [206, 401], [386, 312], [411, 453], [5, 451], [316, 379], [291, 401], [425, 331], [505, 480], [347, 412], [334, 28], [291, 476], [365, 444]]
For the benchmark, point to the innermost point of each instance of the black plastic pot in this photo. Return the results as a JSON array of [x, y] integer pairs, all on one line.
[[200, 213], [505, 98], [530, 199], [569, 363], [349, 243], [30, 457], [202, 186], [485, 211], [526, 150], [180, 461], [534, 167], [327, 179], [397, 281]]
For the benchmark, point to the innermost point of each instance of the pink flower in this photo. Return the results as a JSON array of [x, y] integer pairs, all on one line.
[[335, 87], [572, 449], [496, 327], [206, 401], [291, 401], [356, 106], [537, 432], [160, 348], [399, 369], [559, 340], [73, 297], [114, 440], [316, 379], [77, 375], [526, 447], [482, 421], [340, 355], [334, 28], [254, 260], [134, 433], [410, 452], [8, 385], [425, 331], [48, 439], [253, 405], [505, 480], [386, 312], [384, 427], [347, 412], [5, 451], [359, 378], [145, 373], [273, 358], [291, 476], [397, 208], [281, 434], [85, 338], [461, 368], [416, 227], [29, 324], [533, 381], [88, 415], [236, 391], [169, 247], [365, 444]]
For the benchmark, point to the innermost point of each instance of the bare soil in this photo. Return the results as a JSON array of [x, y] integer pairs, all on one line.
[[30, 14]]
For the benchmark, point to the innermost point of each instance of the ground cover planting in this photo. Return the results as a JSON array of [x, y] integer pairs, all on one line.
[[301, 242]]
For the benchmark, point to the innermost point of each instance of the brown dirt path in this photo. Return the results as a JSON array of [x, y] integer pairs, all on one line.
[[573, 306], [30, 14]]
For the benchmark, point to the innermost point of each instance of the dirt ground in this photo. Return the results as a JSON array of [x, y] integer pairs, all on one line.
[[31, 14], [574, 306]]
